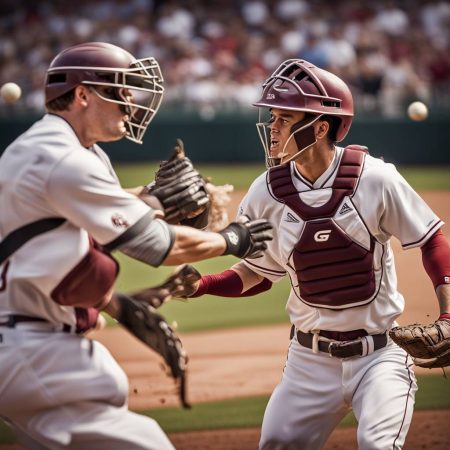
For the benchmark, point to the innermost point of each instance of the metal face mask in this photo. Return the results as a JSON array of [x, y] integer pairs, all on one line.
[[298, 85], [138, 90], [136, 84], [302, 132]]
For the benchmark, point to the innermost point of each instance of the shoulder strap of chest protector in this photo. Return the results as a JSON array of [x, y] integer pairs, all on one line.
[[345, 182], [14, 240]]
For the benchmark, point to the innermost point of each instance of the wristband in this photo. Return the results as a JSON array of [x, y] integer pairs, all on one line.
[[444, 315]]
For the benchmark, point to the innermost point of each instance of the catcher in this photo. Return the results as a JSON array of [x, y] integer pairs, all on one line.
[[336, 210], [63, 213]]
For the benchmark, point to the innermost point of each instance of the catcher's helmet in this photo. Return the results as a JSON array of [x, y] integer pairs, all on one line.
[[301, 86], [102, 64]]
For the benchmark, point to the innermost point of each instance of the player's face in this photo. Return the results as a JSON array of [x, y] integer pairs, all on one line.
[[282, 142], [108, 118]]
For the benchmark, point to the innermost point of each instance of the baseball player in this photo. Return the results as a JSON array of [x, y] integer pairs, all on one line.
[[334, 211], [63, 211]]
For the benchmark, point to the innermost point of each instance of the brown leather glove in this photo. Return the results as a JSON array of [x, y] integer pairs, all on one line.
[[429, 345]]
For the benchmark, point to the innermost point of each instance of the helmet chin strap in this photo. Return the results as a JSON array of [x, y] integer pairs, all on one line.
[[304, 135]]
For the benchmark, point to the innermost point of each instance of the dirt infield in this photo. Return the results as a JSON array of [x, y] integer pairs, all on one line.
[[223, 364]]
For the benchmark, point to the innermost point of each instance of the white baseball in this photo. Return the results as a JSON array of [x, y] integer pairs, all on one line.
[[417, 111], [10, 92]]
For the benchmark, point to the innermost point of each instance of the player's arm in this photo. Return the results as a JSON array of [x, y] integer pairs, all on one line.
[[155, 242], [436, 261], [238, 281]]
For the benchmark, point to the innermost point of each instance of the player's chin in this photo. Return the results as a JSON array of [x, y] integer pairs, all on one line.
[[116, 135]]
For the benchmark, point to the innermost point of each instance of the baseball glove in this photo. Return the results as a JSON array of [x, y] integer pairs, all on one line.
[[429, 345], [179, 187], [142, 321], [219, 201], [181, 284]]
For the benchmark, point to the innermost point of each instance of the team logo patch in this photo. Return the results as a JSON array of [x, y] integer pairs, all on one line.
[[291, 218], [233, 237], [119, 221], [344, 209], [270, 96], [322, 235]]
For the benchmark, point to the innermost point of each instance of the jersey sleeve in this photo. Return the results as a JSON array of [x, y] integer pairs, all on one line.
[[405, 214], [257, 204], [82, 189]]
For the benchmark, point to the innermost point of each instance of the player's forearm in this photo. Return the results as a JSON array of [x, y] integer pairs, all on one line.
[[113, 307], [232, 283], [443, 295], [194, 245], [248, 277], [137, 191]]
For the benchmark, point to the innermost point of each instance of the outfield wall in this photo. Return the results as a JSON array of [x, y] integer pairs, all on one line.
[[233, 138]]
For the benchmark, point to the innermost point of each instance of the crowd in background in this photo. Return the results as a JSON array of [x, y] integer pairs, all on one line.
[[214, 54]]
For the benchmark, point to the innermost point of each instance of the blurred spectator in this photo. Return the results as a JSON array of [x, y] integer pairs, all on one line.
[[214, 55]]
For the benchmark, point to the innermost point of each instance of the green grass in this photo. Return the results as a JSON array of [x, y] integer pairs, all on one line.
[[208, 312], [427, 179], [242, 175], [248, 412]]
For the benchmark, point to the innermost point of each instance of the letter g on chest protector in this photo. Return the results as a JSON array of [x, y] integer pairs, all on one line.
[[334, 264]]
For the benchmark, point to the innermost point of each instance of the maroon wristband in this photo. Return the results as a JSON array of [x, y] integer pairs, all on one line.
[[445, 315]]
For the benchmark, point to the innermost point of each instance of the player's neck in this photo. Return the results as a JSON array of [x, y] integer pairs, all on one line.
[[315, 161]]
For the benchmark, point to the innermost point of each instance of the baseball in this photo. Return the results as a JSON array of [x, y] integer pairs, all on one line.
[[417, 111], [10, 92]]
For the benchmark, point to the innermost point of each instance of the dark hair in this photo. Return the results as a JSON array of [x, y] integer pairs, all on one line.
[[62, 102], [333, 123]]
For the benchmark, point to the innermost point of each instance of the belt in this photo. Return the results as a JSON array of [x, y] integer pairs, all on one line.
[[14, 319], [362, 346]]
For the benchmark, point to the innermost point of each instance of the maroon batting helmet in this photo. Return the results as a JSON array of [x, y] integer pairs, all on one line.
[[298, 85], [137, 83]]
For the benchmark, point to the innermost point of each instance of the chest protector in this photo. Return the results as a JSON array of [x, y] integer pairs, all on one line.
[[332, 269]]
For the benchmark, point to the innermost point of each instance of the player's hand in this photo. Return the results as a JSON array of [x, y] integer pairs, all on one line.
[[247, 238]]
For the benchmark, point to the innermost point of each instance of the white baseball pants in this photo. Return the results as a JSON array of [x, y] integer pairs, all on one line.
[[317, 391], [62, 391]]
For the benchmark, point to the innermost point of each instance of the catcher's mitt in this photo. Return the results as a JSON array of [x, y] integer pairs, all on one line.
[[429, 345], [181, 283], [179, 187], [142, 321]]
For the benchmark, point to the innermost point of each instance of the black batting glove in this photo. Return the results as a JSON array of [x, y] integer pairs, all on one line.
[[247, 238]]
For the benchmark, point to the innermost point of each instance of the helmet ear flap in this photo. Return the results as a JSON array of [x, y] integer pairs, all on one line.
[[305, 138], [303, 132]]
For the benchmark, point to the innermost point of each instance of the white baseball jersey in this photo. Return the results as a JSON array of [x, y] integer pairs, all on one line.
[[59, 389], [47, 173], [382, 205]]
